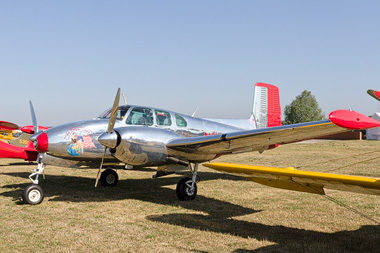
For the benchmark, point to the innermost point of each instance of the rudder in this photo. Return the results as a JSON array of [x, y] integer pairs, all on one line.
[[266, 109]]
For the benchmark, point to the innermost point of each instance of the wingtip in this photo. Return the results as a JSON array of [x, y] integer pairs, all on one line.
[[9, 126], [352, 120], [373, 93]]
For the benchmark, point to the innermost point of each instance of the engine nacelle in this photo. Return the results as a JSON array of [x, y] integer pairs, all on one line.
[[143, 146]]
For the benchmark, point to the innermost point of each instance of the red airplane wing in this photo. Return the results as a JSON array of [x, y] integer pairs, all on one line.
[[8, 126], [10, 151]]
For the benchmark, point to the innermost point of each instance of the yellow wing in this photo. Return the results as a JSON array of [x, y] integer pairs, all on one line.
[[299, 180]]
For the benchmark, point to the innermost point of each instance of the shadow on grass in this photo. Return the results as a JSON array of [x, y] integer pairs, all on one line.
[[81, 189], [287, 239], [218, 214], [18, 164]]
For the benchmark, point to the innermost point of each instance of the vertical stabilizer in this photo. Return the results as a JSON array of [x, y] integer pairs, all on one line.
[[266, 106]]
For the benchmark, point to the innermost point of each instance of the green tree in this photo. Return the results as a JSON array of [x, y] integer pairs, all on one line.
[[304, 108]]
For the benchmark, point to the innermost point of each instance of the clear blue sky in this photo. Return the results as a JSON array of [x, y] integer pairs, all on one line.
[[69, 57]]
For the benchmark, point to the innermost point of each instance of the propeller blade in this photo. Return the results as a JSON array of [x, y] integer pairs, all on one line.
[[100, 168], [111, 123], [34, 119]]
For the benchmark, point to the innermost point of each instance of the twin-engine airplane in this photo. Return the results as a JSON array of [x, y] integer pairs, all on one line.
[[140, 136]]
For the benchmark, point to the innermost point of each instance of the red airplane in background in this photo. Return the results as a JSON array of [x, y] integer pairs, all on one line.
[[20, 147]]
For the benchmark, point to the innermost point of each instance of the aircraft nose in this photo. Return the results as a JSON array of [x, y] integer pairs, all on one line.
[[41, 142], [109, 140]]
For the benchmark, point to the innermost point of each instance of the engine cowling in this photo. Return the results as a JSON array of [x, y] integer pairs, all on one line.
[[139, 146]]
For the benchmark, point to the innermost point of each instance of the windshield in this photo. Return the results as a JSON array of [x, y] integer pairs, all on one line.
[[121, 111]]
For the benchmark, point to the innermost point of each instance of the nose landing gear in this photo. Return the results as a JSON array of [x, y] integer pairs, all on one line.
[[34, 194]]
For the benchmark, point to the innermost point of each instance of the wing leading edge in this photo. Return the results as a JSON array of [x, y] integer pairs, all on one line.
[[299, 180]]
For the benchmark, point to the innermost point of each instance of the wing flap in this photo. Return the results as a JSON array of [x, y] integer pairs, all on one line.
[[299, 180]]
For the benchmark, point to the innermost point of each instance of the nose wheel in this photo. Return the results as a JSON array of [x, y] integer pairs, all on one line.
[[33, 194]]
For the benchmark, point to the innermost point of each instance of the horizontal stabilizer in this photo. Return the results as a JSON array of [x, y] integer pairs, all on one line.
[[299, 180]]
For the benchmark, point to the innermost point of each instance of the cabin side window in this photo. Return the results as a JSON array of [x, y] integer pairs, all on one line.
[[181, 122], [140, 116], [163, 118]]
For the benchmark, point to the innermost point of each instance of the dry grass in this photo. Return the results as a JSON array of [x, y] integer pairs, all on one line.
[[229, 214]]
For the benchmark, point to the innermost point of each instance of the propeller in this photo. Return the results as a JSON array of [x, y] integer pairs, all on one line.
[[111, 125], [34, 119]]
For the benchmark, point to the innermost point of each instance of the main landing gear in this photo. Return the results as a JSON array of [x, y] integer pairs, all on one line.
[[34, 194], [187, 187], [109, 177]]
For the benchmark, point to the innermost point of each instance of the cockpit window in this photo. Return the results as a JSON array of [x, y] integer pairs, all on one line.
[[163, 118], [181, 122], [140, 116], [121, 111]]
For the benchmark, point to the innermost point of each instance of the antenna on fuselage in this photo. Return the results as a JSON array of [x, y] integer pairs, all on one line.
[[125, 100], [192, 115]]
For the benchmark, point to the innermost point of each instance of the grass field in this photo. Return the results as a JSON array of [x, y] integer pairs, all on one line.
[[229, 214]]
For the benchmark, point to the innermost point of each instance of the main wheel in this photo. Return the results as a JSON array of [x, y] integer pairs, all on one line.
[[185, 191], [33, 194], [109, 178]]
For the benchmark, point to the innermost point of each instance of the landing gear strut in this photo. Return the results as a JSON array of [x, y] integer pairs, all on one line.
[[187, 187], [34, 194]]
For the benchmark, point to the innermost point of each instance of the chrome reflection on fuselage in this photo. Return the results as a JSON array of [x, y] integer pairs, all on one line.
[[143, 132]]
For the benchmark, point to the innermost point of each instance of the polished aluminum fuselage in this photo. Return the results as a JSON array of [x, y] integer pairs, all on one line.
[[139, 145]]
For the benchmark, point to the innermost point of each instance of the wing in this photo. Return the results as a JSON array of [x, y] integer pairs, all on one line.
[[8, 126], [299, 180], [262, 139], [254, 140]]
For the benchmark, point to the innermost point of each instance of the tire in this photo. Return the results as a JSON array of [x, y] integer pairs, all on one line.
[[33, 194], [184, 191], [109, 178]]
